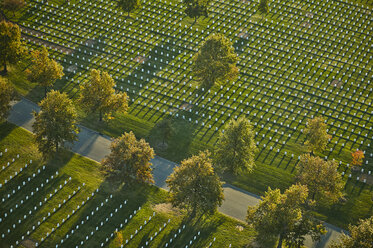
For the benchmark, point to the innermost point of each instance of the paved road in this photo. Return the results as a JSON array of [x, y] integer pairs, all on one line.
[[95, 146]]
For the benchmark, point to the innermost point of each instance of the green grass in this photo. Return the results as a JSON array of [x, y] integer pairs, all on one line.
[[300, 61], [82, 170]]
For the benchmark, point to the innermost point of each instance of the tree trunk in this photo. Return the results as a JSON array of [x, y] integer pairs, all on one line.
[[280, 241], [45, 91], [313, 196], [5, 68], [56, 147], [100, 115], [128, 14], [195, 20]]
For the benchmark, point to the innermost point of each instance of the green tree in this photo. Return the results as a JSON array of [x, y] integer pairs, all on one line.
[[215, 61], [13, 5], [360, 236], [166, 129], [235, 150], [284, 216], [263, 7], [6, 95], [322, 178], [129, 5], [317, 136], [130, 158], [196, 8], [55, 123], [99, 95], [11, 48], [195, 185], [43, 70]]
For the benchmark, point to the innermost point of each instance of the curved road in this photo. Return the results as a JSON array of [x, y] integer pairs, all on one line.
[[96, 146]]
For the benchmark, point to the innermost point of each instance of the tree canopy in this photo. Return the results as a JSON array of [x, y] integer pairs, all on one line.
[[13, 5], [360, 236], [215, 61], [263, 7], [11, 48], [6, 95], [195, 185], [324, 182], [357, 158], [284, 216], [55, 123], [196, 8], [43, 70], [235, 149], [130, 158], [98, 94], [317, 135], [129, 5]]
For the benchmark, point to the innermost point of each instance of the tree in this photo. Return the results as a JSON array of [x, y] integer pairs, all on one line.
[[11, 49], [166, 129], [6, 95], [317, 136], [215, 61], [263, 7], [323, 180], [130, 158], [129, 5], [13, 5], [99, 95], [55, 123], [284, 216], [196, 8], [195, 185], [235, 150], [357, 158], [360, 236], [43, 70]]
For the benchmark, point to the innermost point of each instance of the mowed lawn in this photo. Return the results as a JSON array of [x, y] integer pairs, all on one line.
[[78, 199], [304, 59]]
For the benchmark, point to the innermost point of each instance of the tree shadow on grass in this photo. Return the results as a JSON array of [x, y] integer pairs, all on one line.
[[178, 145], [199, 227]]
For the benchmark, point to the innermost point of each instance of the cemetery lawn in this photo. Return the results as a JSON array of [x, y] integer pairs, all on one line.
[[304, 59], [82, 170]]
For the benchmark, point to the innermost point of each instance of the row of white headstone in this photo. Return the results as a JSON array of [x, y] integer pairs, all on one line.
[[175, 236], [50, 213], [58, 225], [156, 234], [31, 195], [8, 163], [93, 212], [102, 223]]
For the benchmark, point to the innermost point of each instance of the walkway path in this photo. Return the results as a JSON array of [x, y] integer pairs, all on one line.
[[95, 146]]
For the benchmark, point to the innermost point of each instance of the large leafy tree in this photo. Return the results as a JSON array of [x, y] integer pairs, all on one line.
[[235, 150], [6, 95], [263, 7], [360, 236], [317, 136], [13, 5], [129, 5], [284, 216], [195, 185], [11, 48], [324, 182], [196, 8], [165, 129], [99, 95], [130, 158], [43, 70], [56, 122], [215, 61]]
